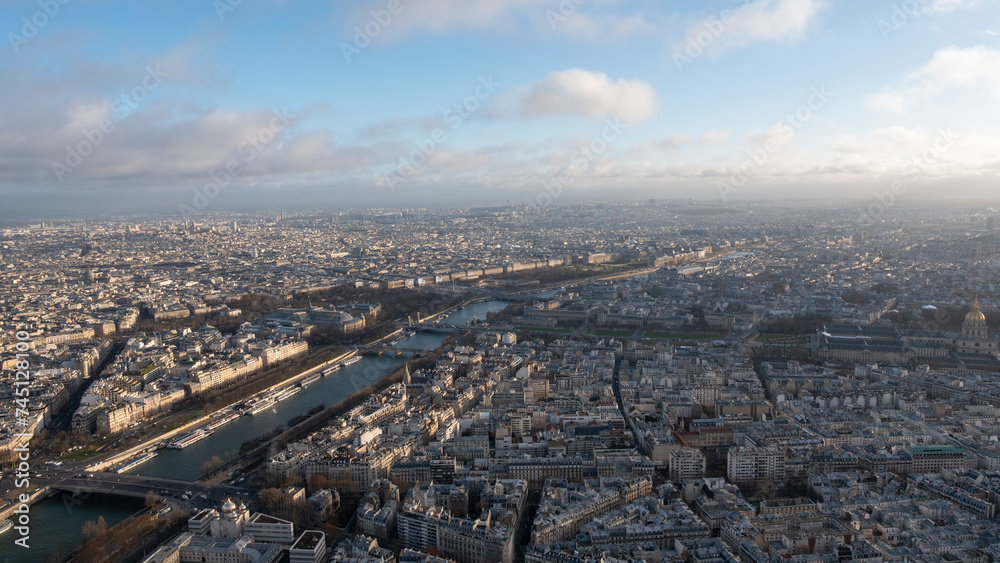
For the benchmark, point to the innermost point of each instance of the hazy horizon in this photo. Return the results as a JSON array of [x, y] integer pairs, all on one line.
[[179, 109]]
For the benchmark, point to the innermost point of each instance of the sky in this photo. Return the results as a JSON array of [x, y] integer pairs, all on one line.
[[189, 107]]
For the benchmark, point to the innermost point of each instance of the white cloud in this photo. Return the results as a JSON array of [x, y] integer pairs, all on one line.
[[592, 94], [448, 15], [714, 137], [576, 20], [883, 141], [776, 135], [756, 21], [974, 67], [671, 143], [57, 132], [892, 100], [949, 6], [604, 26]]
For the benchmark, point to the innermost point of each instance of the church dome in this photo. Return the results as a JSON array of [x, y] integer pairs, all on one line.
[[975, 315], [228, 506]]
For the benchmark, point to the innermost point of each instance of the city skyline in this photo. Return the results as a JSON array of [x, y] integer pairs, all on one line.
[[643, 380], [389, 103], [500, 281]]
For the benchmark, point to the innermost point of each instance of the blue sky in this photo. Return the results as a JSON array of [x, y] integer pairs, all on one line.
[[407, 102]]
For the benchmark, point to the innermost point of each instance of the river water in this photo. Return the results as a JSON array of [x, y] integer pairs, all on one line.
[[60, 518], [546, 294], [476, 311], [53, 522], [185, 464]]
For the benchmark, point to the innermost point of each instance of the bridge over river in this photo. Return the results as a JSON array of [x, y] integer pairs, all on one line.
[[81, 485]]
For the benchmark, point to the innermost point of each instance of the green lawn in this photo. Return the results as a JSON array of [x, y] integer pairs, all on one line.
[[679, 336], [543, 329], [623, 333], [80, 455], [783, 338]]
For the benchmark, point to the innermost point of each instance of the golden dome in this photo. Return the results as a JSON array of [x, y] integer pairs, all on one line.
[[975, 315]]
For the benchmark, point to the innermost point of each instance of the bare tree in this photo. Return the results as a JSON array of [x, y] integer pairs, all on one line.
[[318, 482], [93, 529], [211, 465], [270, 498]]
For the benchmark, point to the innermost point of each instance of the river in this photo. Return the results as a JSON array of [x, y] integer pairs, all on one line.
[[547, 294], [476, 311], [52, 522], [429, 339], [60, 518], [186, 464]]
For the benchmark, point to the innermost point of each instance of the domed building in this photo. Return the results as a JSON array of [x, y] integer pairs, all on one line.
[[230, 520], [972, 350], [233, 520], [342, 321], [975, 323], [975, 335], [229, 534]]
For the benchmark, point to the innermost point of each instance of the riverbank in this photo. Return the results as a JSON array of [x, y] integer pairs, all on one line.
[[7, 510], [57, 521], [310, 424], [152, 442], [453, 308]]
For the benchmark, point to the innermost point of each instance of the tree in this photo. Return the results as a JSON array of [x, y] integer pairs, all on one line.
[[248, 446], [293, 481], [153, 499], [304, 514], [211, 465], [269, 498], [93, 529], [332, 531], [318, 482]]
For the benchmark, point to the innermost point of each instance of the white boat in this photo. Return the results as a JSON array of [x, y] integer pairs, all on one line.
[[224, 420], [188, 439], [352, 360], [260, 406], [305, 383], [134, 462], [6, 525], [286, 393]]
